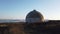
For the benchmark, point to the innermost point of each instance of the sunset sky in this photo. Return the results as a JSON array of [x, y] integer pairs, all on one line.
[[18, 9]]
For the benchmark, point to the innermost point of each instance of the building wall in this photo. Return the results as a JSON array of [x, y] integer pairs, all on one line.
[[32, 20]]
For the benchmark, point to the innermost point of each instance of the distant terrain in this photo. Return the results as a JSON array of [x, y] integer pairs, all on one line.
[[11, 20]]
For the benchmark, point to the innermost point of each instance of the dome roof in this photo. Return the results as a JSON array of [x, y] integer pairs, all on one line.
[[34, 14]]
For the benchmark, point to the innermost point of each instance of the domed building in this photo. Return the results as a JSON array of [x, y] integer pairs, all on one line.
[[34, 16]]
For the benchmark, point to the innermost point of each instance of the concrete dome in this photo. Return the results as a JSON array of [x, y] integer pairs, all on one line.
[[34, 16]]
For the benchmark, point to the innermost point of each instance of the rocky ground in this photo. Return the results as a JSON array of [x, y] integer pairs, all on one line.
[[31, 28]]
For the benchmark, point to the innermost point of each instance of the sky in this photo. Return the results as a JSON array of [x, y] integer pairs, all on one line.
[[18, 9]]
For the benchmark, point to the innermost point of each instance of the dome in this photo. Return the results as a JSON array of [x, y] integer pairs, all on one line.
[[34, 16]]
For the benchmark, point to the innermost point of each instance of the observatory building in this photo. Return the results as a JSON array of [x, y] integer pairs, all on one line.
[[34, 17]]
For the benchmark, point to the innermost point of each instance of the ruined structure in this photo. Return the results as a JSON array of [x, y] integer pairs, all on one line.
[[37, 25], [34, 16]]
